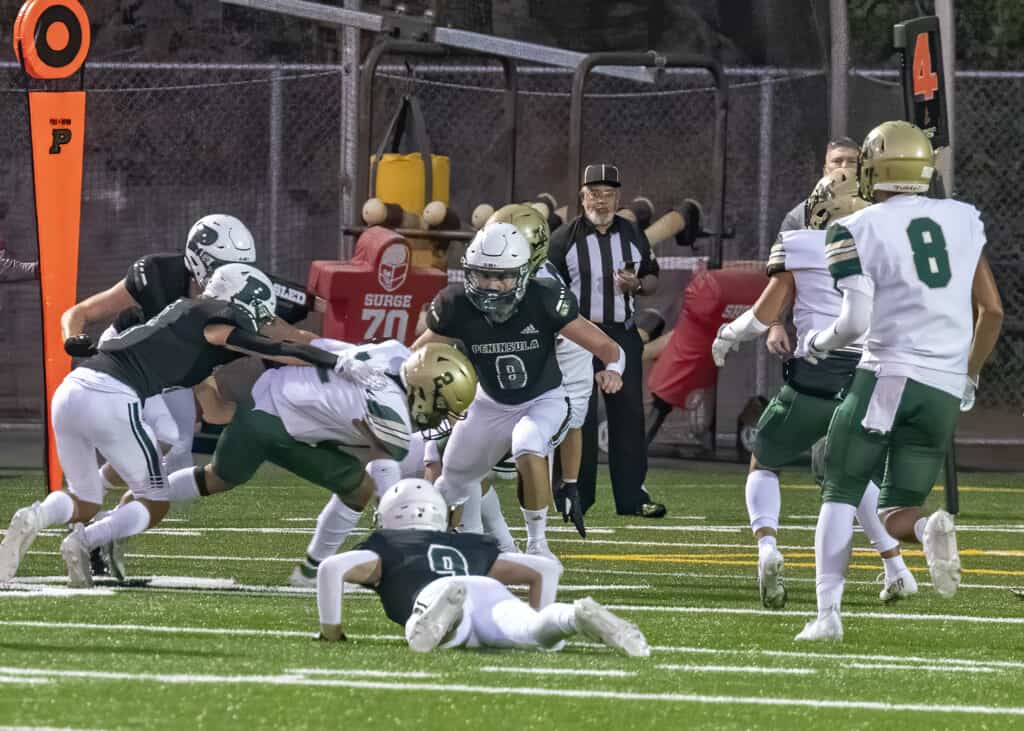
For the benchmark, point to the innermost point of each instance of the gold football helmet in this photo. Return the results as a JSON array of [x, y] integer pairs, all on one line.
[[532, 225], [440, 383], [896, 157], [833, 197]]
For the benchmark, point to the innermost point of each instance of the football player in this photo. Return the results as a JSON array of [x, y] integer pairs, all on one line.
[[508, 324], [912, 274], [98, 408], [575, 362], [414, 374], [799, 414], [155, 281], [449, 589]]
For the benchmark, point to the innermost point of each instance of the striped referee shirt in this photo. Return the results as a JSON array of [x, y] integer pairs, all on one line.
[[588, 261]]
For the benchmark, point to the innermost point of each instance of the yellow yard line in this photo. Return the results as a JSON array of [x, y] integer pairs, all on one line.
[[697, 559]]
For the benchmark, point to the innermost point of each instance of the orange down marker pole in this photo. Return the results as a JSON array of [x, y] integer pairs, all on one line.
[[51, 40]]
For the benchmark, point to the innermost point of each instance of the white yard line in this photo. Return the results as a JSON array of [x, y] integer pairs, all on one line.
[[926, 668], [753, 576], [794, 613], [447, 689], [843, 657], [966, 528], [755, 669], [360, 673], [558, 671], [11, 680]]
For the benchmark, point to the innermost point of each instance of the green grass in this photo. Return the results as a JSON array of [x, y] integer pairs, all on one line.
[[242, 658]]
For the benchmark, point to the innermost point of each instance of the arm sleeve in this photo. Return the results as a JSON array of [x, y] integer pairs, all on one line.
[[648, 264], [330, 582], [256, 343], [854, 315], [12, 270], [841, 252], [128, 318]]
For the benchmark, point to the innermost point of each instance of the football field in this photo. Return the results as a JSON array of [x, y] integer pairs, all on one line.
[[210, 636]]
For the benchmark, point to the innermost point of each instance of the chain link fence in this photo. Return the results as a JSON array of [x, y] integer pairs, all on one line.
[[167, 143]]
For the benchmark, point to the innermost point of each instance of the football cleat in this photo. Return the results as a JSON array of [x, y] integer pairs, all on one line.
[[567, 502], [770, 581], [540, 548], [940, 550], [98, 564], [827, 627], [430, 623], [25, 526], [113, 556], [75, 552], [598, 623], [900, 586], [303, 577]]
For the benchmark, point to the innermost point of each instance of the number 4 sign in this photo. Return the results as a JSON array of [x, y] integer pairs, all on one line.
[[924, 85]]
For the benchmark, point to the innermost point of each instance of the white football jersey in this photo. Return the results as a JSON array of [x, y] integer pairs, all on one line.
[[921, 253], [316, 405], [575, 361], [817, 302]]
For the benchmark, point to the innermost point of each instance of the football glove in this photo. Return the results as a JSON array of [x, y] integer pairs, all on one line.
[[723, 345], [967, 400], [814, 354], [79, 346], [360, 372]]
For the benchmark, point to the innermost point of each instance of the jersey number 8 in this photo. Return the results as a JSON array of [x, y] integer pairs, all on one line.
[[930, 256]]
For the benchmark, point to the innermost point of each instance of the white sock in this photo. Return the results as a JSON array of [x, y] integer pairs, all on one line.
[[871, 524], [894, 566], [57, 508], [108, 486], [100, 515], [536, 524], [919, 529], [472, 520], [333, 526], [178, 458], [554, 623], [832, 539], [182, 486], [764, 500], [766, 545], [494, 520], [126, 520]]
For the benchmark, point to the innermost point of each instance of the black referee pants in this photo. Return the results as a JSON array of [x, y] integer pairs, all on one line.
[[627, 443]]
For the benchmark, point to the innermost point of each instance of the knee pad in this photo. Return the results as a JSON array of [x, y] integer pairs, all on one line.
[[528, 439]]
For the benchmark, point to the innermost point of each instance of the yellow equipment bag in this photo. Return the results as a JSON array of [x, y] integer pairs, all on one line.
[[403, 178]]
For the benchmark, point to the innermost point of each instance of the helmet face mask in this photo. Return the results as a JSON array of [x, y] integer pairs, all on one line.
[[498, 253], [896, 157], [247, 288], [834, 196], [440, 383], [532, 225], [412, 504], [215, 240]]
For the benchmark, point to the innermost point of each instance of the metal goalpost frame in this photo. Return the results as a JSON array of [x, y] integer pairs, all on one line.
[[659, 62]]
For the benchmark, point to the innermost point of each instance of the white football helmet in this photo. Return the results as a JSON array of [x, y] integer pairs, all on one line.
[[247, 288], [412, 504], [214, 240], [499, 250]]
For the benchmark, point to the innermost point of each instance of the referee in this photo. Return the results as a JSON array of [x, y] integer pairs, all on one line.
[[607, 261]]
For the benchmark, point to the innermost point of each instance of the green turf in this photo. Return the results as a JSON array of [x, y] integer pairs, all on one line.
[[145, 662]]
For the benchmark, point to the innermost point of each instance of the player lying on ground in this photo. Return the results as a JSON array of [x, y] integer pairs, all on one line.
[[799, 414], [98, 408], [450, 589], [508, 325], [912, 273]]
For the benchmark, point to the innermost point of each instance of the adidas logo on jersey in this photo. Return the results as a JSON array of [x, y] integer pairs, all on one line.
[[529, 330]]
